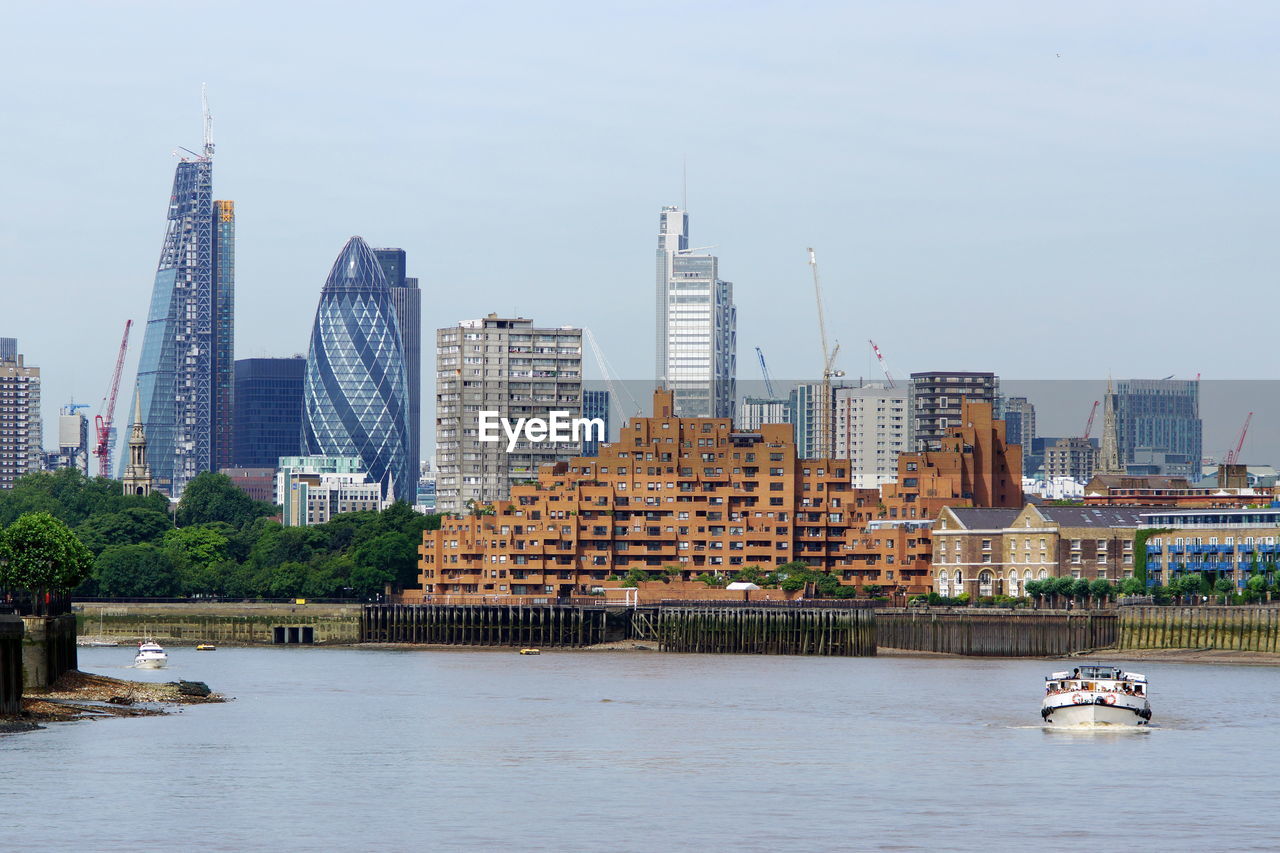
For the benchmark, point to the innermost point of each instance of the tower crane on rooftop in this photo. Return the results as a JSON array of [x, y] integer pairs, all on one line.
[[102, 422], [884, 365], [1088, 427], [824, 409], [1233, 455]]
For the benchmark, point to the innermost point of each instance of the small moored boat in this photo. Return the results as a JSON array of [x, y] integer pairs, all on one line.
[[150, 656], [1095, 696], [206, 647], [531, 651]]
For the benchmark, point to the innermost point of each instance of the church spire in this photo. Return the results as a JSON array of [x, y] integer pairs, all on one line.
[[137, 474], [1109, 453]]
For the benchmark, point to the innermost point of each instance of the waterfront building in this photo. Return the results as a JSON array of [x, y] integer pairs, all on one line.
[[985, 552], [688, 496], [137, 473], [595, 405], [697, 336], [936, 398], [313, 489], [268, 394], [1073, 458], [355, 397], [1173, 492], [1231, 543], [407, 299], [185, 370], [1158, 426], [21, 428], [511, 369], [872, 427]]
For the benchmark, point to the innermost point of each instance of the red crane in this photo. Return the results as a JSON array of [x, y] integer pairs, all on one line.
[[1233, 455], [102, 422], [1088, 428], [883, 364]]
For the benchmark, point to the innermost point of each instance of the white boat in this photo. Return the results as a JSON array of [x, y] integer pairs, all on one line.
[[150, 656], [1096, 696]]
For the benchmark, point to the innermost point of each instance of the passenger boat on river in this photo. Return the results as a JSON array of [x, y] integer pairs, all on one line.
[[1096, 696]]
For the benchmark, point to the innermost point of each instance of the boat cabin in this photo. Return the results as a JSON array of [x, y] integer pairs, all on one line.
[[1101, 679]]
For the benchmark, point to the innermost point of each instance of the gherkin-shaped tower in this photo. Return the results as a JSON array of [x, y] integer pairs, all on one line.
[[355, 395]]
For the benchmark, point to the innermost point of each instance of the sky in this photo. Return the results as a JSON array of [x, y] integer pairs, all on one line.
[[1048, 190]]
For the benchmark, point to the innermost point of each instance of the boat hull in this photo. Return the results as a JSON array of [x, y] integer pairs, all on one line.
[[1095, 715], [150, 663]]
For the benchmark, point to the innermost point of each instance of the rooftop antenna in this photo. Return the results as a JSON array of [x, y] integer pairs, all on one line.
[[208, 120]]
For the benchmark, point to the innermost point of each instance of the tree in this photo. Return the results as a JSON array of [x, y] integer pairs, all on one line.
[[213, 497], [196, 551], [136, 571], [1101, 589], [1133, 586], [39, 553], [131, 526], [395, 553], [1224, 586]]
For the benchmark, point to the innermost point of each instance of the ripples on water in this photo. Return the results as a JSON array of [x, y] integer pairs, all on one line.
[[330, 749]]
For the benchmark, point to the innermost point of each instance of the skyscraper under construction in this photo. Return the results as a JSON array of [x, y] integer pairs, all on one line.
[[186, 370]]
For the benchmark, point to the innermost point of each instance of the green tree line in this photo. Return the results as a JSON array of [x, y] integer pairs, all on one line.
[[217, 541]]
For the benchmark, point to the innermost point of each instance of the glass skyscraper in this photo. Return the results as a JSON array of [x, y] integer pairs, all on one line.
[[355, 394], [185, 372], [1158, 426], [697, 336], [268, 410]]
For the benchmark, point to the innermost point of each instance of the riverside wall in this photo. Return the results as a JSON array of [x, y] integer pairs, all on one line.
[[996, 633], [11, 631], [48, 650], [1240, 628], [222, 623]]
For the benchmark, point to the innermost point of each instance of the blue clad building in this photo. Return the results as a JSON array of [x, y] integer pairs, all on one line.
[[355, 394]]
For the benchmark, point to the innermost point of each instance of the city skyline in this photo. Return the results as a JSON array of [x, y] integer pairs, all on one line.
[[942, 204]]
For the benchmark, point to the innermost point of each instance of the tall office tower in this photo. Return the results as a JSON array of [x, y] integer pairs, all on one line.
[[595, 404], [268, 410], [1158, 426], [407, 299], [184, 371], [872, 426], [355, 397], [224, 333], [1019, 415], [508, 368], [21, 430], [935, 401], [697, 336], [755, 412], [805, 415]]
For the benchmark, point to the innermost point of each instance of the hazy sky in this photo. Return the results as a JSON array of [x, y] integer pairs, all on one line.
[[1047, 190]]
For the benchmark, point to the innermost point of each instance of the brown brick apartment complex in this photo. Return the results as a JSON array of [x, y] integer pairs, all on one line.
[[695, 496]]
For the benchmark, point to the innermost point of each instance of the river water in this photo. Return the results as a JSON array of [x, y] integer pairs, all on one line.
[[353, 749]]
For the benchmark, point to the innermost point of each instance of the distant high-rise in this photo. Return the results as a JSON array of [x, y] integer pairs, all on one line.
[[595, 404], [407, 299], [185, 369], [1019, 416], [936, 398], [508, 366], [1158, 426], [268, 397], [807, 403], [21, 429], [872, 428], [355, 396], [697, 324]]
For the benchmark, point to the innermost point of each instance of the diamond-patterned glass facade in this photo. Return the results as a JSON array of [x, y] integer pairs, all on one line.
[[355, 396]]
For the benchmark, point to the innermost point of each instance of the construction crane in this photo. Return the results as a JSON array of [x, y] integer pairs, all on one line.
[[884, 365], [1233, 455], [103, 421], [1088, 427], [764, 370], [606, 371], [825, 409]]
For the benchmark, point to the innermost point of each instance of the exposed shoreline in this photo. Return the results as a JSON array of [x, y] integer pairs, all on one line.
[[85, 696]]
